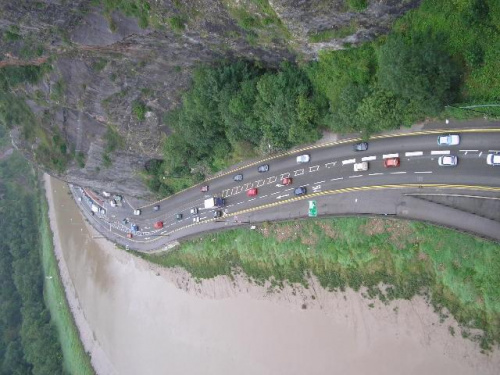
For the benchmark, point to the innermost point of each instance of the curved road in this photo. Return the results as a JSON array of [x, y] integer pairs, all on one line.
[[330, 179]]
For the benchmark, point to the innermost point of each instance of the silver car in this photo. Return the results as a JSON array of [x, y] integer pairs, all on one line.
[[493, 159], [448, 140], [448, 161]]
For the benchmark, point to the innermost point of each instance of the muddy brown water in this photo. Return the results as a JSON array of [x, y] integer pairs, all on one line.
[[146, 324]]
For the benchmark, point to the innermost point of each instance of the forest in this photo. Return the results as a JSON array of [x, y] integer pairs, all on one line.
[[28, 340], [436, 56]]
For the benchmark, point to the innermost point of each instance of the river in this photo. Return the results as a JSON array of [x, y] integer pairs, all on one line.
[[136, 318]]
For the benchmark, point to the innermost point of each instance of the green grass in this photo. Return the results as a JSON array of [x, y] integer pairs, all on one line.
[[76, 360], [456, 271], [326, 35], [177, 23], [357, 5]]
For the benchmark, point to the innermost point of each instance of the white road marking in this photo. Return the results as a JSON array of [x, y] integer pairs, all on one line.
[[331, 164], [469, 151], [314, 168], [368, 158], [289, 189], [348, 161], [275, 193], [296, 173], [414, 153], [264, 196], [375, 174], [284, 175], [248, 185], [359, 175], [259, 185], [444, 152], [282, 196], [480, 154], [319, 182], [424, 172], [239, 203], [335, 179], [269, 179], [224, 193], [230, 205], [252, 199], [234, 190], [398, 172], [306, 185], [386, 156], [316, 188]]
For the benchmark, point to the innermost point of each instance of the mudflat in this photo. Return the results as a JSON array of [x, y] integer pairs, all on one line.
[[137, 318]]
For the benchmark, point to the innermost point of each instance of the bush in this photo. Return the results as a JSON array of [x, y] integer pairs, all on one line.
[[177, 23], [139, 109]]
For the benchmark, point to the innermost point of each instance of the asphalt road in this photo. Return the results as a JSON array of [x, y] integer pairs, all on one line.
[[328, 176]]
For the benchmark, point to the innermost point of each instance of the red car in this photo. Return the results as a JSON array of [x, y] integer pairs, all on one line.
[[204, 188], [391, 162], [158, 225], [286, 181], [130, 235], [252, 192]]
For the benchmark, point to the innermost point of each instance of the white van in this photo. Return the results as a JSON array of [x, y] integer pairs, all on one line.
[[361, 167], [137, 212]]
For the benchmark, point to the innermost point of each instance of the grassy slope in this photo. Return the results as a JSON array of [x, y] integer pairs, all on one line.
[[76, 360], [456, 271]]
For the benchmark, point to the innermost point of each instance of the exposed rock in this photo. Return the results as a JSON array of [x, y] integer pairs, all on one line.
[[104, 62]]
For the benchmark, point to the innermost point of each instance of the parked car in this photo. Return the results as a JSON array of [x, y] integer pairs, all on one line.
[[196, 219], [361, 146], [493, 159], [286, 181], [305, 158], [204, 188], [125, 221], [263, 168], [448, 161], [156, 208], [238, 177], [217, 214], [360, 167], [134, 227], [112, 202], [158, 225], [106, 194], [448, 140], [137, 212], [117, 198], [178, 216], [300, 190], [252, 192], [194, 211], [130, 235], [392, 162]]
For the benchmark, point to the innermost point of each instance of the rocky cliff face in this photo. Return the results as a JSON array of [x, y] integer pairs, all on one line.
[[119, 66]]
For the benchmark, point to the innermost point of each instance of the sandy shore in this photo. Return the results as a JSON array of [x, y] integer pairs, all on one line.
[[135, 317]]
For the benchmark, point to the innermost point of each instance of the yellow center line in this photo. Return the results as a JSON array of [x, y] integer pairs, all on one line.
[[335, 192], [330, 144]]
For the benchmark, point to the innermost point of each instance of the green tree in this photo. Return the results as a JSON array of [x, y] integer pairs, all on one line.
[[418, 69]]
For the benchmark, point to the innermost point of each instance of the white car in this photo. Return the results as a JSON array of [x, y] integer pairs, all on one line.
[[106, 194], [360, 167], [137, 212], [493, 159], [303, 158], [448, 161], [196, 219], [448, 140]]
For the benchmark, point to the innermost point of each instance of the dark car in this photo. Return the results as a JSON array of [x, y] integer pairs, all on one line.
[[361, 146], [300, 190], [263, 168], [156, 208], [134, 228], [178, 216], [217, 214], [238, 177], [125, 221]]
